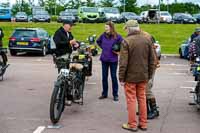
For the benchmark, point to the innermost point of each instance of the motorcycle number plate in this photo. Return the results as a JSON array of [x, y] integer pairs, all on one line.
[[198, 68], [92, 47], [81, 57]]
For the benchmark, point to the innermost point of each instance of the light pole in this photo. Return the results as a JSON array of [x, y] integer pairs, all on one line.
[[124, 5], [168, 5], [159, 12]]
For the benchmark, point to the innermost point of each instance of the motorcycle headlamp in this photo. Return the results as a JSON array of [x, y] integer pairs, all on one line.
[[197, 59]]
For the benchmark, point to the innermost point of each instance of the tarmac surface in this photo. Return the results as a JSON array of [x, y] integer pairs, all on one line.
[[28, 84]]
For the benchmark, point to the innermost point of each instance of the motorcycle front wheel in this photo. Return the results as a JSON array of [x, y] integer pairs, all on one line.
[[2, 64], [57, 103]]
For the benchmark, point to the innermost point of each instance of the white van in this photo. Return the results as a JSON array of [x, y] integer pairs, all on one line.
[[150, 16], [165, 17]]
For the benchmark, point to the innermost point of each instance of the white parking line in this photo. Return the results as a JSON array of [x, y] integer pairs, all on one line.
[[179, 73], [39, 129], [173, 64], [90, 83], [187, 87], [191, 81]]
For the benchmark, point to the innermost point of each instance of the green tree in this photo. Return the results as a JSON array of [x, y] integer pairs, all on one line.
[[90, 3], [130, 6], [24, 7], [107, 3]]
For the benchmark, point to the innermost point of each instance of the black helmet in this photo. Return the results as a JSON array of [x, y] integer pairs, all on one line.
[[116, 47]]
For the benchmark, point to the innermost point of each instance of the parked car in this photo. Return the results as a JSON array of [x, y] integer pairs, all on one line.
[[41, 16], [131, 15], [5, 14], [88, 14], [34, 40], [150, 16], [184, 49], [183, 18], [112, 14], [74, 12], [21, 17], [63, 16], [158, 48], [165, 17], [197, 17]]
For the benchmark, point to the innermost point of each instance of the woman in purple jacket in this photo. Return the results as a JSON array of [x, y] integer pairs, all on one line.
[[109, 59]]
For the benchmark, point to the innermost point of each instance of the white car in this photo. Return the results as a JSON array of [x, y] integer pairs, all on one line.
[[165, 17], [158, 49]]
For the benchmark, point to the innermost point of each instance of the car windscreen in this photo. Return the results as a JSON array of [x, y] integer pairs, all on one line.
[[73, 11], [111, 10], [186, 16], [164, 14], [24, 33], [65, 14], [4, 11], [130, 14], [42, 13], [21, 13], [92, 10]]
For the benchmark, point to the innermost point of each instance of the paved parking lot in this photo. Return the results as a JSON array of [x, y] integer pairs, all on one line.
[[27, 86]]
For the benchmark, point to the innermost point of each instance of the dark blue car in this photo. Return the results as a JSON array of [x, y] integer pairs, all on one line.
[[184, 49], [35, 40]]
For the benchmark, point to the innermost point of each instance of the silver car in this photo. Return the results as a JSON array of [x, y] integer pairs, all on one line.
[[21, 17], [157, 47]]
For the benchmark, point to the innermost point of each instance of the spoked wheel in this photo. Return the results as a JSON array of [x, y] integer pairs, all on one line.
[[81, 91], [2, 65], [78, 91], [81, 88], [57, 104]]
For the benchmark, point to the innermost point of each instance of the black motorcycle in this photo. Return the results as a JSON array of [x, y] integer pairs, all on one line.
[[3, 62], [92, 45], [196, 91], [72, 68]]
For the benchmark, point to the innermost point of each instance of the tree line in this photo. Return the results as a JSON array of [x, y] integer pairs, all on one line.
[[55, 6]]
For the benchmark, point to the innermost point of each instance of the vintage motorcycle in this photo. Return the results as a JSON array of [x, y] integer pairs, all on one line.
[[72, 68], [196, 73], [92, 44], [3, 62]]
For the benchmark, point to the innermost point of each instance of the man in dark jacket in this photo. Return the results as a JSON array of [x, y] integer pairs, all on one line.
[[64, 39], [1, 36], [195, 34]]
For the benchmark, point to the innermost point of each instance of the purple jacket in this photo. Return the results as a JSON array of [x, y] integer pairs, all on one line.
[[106, 44]]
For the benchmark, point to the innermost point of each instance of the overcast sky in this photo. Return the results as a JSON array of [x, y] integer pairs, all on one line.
[[140, 2]]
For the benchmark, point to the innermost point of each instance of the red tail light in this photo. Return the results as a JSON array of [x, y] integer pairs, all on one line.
[[35, 40], [12, 38]]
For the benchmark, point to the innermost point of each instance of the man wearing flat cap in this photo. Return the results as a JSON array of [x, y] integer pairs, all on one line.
[[195, 34], [136, 67], [64, 39]]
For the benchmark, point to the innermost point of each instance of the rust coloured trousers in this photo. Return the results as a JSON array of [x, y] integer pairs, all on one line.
[[133, 92]]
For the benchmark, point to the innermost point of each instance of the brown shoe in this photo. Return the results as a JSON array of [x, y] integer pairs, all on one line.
[[127, 127], [142, 128]]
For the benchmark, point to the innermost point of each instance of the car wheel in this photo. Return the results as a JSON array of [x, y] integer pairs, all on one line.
[[180, 53], [44, 51], [13, 53]]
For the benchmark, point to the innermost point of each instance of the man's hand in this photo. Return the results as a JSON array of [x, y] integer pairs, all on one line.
[[72, 42]]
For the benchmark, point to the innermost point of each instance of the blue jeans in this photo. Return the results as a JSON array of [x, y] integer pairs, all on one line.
[[113, 72]]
